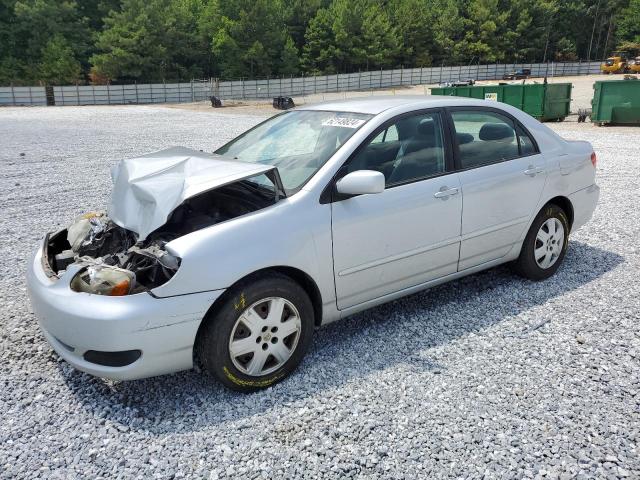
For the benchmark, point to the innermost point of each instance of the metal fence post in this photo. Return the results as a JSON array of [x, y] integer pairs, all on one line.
[[77, 94], [108, 95], [13, 96]]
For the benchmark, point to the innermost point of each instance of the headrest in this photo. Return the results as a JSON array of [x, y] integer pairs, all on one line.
[[427, 128], [496, 131], [464, 138]]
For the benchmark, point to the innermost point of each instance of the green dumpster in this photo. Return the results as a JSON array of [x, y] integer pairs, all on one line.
[[616, 101], [544, 101]]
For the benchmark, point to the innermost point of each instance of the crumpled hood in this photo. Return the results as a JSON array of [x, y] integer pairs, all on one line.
[[148, 188]]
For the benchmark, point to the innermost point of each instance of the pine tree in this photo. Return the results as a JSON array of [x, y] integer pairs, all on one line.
[[58, 65]]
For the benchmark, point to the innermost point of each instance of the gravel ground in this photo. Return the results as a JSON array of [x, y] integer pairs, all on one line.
[[487, 377]]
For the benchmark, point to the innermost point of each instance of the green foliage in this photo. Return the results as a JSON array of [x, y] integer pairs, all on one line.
[[351, 35], [150, 41], [426, 29], [632, 48], [319, 50], [565, 50], [58, 65], [64, 41], [250, 39], [289, 61], [486, 37], [629, 22]]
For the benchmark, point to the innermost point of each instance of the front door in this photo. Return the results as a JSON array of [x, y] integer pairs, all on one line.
[[408, 234]]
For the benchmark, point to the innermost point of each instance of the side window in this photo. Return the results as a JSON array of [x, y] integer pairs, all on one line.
[[409, 149], [526, 144], [389, 134], [484, 137]]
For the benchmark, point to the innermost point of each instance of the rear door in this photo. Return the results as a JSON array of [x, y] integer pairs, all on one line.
[[408, 234], [502, 175]]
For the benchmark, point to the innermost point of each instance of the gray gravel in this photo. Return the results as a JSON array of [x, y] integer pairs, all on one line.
[[488, 377]]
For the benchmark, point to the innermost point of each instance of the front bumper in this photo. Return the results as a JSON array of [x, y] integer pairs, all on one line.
[[163, 329]]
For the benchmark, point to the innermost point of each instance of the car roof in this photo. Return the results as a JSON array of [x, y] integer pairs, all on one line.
[[377, 104]]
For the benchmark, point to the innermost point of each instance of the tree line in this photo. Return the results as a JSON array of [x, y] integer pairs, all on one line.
[[122, 41]]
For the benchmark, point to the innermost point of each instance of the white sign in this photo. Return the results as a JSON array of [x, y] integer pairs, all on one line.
[[491, 96], [345, 122]]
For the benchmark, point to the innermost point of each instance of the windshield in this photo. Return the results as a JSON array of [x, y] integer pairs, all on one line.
[[298, 143]]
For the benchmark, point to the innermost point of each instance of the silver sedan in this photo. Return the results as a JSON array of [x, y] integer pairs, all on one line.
[[232, 259]]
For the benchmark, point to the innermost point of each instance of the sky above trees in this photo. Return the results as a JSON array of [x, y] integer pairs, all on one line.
[[65, 41]]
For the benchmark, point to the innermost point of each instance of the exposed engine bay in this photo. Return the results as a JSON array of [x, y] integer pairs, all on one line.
[[115, 262]]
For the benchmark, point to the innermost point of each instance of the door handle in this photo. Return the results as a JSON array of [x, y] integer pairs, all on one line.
[[445, 192], [533, 171]]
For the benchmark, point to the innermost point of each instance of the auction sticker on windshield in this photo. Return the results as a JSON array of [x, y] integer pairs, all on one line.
[[345, 122]]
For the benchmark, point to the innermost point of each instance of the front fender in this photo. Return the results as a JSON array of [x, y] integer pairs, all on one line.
[[295, 232]]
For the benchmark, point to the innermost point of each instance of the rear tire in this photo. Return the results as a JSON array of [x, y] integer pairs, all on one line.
[[259, 334], [545, 245]]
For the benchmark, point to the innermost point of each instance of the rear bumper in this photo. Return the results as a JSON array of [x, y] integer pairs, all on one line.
[[162, 329], [584, 204]]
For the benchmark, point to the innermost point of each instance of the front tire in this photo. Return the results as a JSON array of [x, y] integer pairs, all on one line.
[[545, 245], [259, 334]]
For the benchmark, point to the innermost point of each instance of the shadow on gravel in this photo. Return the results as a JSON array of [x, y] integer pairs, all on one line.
[[400, 332]]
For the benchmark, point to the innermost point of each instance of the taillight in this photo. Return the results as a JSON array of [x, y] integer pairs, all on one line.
[[594, 159]]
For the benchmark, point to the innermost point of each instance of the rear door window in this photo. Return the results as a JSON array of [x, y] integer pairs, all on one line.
[[527, 147], [484, 137]]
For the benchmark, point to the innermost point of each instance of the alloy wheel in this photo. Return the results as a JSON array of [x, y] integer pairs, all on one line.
[[549, 243], [265, 336]]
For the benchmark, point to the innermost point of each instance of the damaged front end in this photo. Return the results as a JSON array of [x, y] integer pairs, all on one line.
[[157, 198], [111, 260]]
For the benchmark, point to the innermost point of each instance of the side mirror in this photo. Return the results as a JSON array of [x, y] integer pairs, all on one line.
[[361, 182]]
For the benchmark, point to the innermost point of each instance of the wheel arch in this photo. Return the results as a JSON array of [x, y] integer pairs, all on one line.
[[300, 277], [565, 204]]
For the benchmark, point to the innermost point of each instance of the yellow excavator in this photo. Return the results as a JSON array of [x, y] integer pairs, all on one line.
[[616, 63], [634, 65]]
